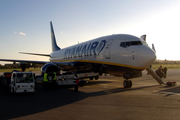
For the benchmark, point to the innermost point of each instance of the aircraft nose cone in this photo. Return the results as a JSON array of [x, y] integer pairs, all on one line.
[[146, 56]]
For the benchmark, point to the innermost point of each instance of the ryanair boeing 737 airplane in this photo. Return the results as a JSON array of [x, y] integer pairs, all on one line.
[[119, 55]]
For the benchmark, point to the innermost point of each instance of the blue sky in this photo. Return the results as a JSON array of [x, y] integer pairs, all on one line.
[[25, 27]]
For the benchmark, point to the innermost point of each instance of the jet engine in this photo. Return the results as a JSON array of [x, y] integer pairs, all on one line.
[[49, 67]]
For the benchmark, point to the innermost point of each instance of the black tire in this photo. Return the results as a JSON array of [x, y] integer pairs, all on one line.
[[130, 83], [127, 83]]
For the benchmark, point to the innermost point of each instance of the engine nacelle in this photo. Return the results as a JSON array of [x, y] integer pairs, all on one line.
[[49, 67]]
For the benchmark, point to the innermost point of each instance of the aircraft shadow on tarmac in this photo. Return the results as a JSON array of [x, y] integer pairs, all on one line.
[[97, 82], [13, 106], [171, 91]]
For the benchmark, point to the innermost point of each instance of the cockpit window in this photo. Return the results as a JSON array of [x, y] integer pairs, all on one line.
[[130, 43], [136, 43], [123, 44]]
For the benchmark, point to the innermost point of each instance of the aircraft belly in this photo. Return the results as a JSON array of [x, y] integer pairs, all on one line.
[[120, 70], [116, 70]]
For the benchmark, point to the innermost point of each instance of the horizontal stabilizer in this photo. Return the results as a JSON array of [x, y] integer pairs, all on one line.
[[46, 55]]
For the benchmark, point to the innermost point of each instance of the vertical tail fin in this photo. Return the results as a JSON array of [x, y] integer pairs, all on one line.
[[53, 39]]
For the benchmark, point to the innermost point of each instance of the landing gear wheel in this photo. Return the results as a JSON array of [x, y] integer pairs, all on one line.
[[127, 83]]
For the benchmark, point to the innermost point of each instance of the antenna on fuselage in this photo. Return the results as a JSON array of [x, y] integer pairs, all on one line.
[[53, 39]]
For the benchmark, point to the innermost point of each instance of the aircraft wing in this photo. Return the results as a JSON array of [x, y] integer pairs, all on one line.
[[62, 64], [66, 65], [25, 61], [46, 55]]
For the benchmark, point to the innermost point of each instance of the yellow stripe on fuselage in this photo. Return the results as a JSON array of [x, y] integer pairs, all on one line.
[[100, 62]]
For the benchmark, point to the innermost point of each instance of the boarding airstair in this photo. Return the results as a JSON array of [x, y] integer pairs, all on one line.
[[155, 76]]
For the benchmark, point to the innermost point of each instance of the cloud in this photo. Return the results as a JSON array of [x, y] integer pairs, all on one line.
[[21, 33], [15, 32], [63, 33]]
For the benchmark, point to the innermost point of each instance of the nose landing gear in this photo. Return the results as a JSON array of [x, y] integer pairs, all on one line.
[[127, 83]]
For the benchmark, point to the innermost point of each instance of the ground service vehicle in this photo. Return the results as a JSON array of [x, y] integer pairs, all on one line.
[[22, 82], [69, 80], [83, 74]]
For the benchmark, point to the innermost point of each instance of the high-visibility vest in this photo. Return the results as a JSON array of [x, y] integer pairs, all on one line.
[[54, 75], [45, 77]]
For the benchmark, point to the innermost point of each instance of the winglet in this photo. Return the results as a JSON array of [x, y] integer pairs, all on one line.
[[53, 39]]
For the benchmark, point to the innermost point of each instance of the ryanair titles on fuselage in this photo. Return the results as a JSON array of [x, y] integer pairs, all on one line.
[[88, 49]]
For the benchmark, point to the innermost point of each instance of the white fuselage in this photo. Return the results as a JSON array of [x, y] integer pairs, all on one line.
[[117, 50]]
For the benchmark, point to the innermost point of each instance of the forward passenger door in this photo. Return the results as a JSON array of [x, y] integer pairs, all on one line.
[[108, 49]]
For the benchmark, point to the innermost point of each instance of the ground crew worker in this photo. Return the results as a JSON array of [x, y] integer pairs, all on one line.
[[45, 80], [54, 84], [161, 72], [160, 67], [54, 76]]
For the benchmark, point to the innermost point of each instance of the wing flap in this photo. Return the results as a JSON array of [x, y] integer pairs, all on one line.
[[66, 65]]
